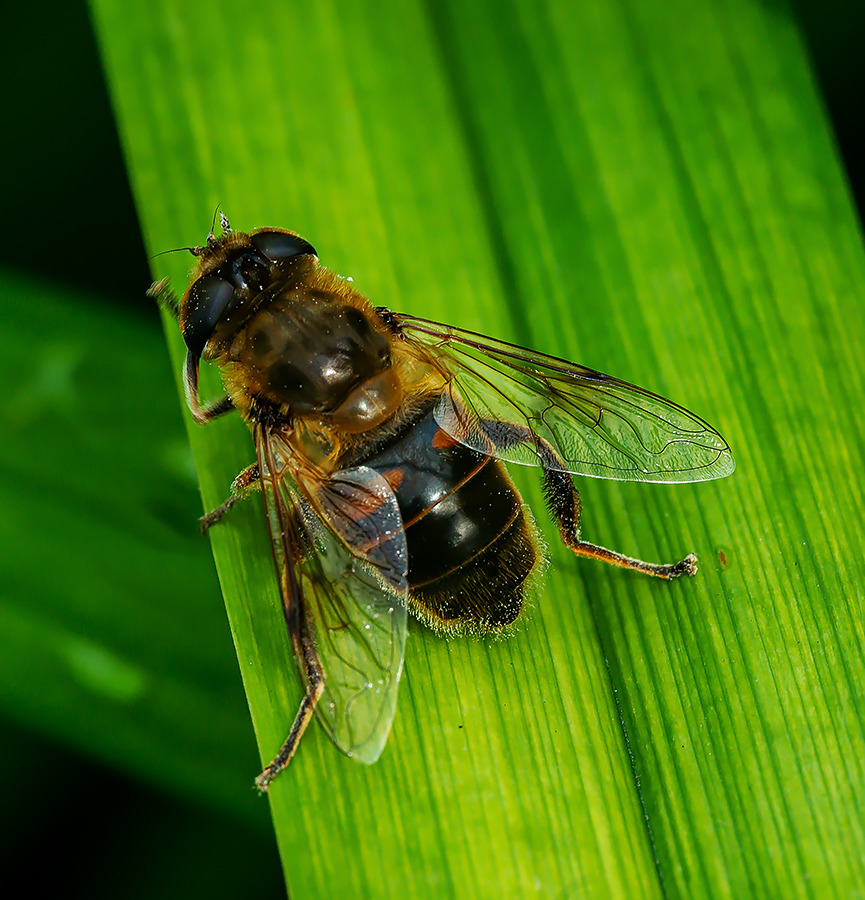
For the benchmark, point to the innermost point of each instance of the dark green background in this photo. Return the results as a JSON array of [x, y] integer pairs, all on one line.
[[68, 218]]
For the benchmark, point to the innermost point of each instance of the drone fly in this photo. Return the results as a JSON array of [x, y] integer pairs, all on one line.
[[380, 440]]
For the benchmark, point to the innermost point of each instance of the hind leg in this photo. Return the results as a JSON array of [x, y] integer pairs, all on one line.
[[565, 505]]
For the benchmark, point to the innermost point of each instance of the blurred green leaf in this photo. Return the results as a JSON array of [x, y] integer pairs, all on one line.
[[652, 190], [111, 631]]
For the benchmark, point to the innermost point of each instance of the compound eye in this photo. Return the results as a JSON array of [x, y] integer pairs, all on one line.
[[208, 301], [277, 245]]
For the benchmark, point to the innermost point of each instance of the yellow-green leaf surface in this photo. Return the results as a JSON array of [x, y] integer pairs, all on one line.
[[650, 189]]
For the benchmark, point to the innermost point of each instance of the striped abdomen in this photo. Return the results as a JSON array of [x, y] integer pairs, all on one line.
[[470, 543]]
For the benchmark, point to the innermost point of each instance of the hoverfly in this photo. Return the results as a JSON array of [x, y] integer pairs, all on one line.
[[379, 440]]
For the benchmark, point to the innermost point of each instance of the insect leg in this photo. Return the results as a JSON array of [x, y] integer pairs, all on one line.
[[566, 506], [201, 414], [304, 648], [213, 410], [246, 483], [166, 298]]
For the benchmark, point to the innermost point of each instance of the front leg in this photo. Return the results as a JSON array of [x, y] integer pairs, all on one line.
[[246, 483], [167, 300], [163, 294], [566, 507]]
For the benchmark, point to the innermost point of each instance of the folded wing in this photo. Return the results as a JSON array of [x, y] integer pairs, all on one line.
[[596, 425]]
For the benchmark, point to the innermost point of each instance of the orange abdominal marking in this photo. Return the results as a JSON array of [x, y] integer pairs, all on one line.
[[443, 441], [394, 477]]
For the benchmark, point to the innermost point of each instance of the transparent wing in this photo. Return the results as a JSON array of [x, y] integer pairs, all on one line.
[[507, 401], [340, 551]]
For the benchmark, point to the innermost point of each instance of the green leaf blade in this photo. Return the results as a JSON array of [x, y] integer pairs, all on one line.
[[651, 191]]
